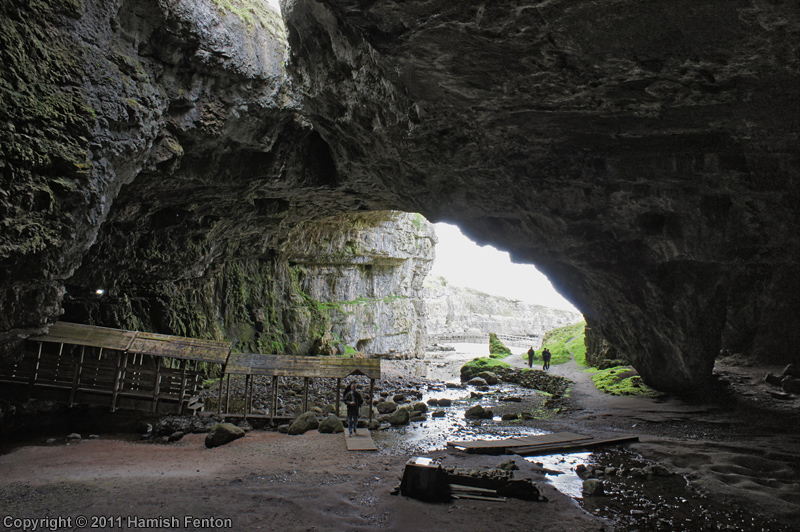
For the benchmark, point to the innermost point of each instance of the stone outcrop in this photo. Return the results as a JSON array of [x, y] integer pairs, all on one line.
[[644, 155], [366, 274], [453, 309]]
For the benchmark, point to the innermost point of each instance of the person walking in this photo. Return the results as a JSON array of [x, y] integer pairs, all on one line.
[[531, 353], [353, 401], [546, 354]]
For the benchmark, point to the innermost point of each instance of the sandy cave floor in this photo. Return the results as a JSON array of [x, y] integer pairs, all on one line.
[[734, 467]]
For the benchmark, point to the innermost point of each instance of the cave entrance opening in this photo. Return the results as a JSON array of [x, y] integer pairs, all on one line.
[[462, 262]]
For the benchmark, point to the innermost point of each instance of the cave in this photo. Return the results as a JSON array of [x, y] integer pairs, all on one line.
[[643, 155]]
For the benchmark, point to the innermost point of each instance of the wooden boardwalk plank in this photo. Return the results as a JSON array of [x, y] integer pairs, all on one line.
[[522, 441], [361, 441], [573, 446], [292, 366]]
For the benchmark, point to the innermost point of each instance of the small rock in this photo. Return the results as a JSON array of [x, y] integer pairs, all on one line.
[[73, 437], [508, 416], [421, 407], [175, 436], [477, 411], [418, 417], [303, 423], [656, 470], [283, 429], [433, 402], [445, 402], [610, 471], [477, 381], [331, 425], [593, 487], [399, 398], [509, 465], [94, 436], [475, 395], [399, 417], [580, 470], [223, 433], [511, 399], [790, 385], [439, 413], [386, 407], [774, 380], [489, 376], [51, 440]]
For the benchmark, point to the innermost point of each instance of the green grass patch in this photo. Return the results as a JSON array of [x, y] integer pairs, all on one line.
[[563, 342], [622, 380], [497, 349], [477, 365]]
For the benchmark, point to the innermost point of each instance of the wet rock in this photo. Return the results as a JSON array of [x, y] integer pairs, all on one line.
[[483, 388], [656, 470], [580, 470], [386, 407], [477, 411], [223, 433], [418, 417], [454, 385], [399, 417], [303, 423], [399, 398], [477, 381], [509, 416], [374, 425], [511, 398], [593, 487], [527, 415], [439, 413], [421, 407], [774, 380], [433, 402], [445, 402], [509, 465], [476, 395], [610, 471], [331, 425], [489, 376], [175, 436]]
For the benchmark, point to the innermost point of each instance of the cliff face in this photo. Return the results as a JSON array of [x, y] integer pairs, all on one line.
[[366, 273], [453, 309], [644, 155]]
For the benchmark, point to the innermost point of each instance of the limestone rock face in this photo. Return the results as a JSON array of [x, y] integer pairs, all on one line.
[[366, 272], [453, 309]]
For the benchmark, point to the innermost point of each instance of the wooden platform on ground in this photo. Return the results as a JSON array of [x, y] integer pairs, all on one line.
[[361, 441], [538, 444]]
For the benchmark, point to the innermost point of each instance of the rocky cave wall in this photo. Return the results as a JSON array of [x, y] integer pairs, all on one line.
[[643, 154]]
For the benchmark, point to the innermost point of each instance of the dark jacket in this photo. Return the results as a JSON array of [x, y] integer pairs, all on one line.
[[350, 396]]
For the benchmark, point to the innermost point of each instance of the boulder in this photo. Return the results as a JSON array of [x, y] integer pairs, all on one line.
[[420, 407], [445, 402], [477, 411], [223, 433], [509, 416], [386, 407], [489, 376], [593, 487], [331, 425], [303, 423], [316, 409], [399, 417], [399, 398], [433, 402], [329, 409]]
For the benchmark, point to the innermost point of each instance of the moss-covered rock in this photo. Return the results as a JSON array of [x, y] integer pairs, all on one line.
[[474, 367]]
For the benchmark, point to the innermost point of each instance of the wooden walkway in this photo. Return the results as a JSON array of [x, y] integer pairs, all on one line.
[[538, 444], [361, 441]]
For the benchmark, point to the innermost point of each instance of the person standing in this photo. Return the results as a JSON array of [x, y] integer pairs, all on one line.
[[531, 352], [353, 401], [546, 357]]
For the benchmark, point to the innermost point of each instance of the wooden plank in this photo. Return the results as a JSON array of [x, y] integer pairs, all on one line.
[[573, 446], [78, 334], [361, 441], [180, 347], [293, 366], [521, 441]]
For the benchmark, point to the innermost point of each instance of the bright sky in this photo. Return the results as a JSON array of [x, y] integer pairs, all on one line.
[[464, 263]]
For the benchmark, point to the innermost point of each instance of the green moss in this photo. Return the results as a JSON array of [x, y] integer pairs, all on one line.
[[477, 365], [622, 380], [497, 349], [254, 12]]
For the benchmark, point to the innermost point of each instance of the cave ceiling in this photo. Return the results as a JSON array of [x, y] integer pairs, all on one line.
[[642, 154]]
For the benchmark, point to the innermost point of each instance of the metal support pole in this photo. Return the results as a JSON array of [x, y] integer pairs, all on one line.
[[371, 393]]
